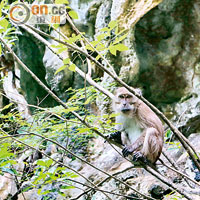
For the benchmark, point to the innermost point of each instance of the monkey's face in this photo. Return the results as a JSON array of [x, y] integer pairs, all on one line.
[[125, 102]]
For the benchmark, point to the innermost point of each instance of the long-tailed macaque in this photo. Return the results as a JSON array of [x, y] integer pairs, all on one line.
[[139, 128]]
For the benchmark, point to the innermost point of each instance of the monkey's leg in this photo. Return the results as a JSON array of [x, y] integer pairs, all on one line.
[[152, 146], [146, 148], [136, 146], [138, 156]]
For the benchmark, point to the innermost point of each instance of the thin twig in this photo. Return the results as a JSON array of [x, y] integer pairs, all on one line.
[[169, 183], [103, 181], [174, 165], [180, 173], [82, 36], [91, 188]]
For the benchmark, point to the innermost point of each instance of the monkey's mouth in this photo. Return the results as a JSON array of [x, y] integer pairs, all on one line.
[[125, 110]]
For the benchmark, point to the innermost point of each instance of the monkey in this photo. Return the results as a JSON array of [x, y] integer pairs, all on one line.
[[139, 129]]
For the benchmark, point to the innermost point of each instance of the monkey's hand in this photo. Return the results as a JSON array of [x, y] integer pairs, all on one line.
[[127, 151], [139, 157], [116, 136]]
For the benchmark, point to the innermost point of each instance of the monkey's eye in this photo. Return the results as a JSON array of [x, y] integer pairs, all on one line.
[[121, 96], [117, 102], [132, 103], [129, 96]]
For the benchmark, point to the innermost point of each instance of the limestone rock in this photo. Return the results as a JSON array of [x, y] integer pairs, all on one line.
[[7, 186]]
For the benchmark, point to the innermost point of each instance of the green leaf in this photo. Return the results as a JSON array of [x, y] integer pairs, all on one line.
[[48, 162], [72, 67], [27, 188], [101, 47], [101, 36], [121, 47], [112, 24], [66, 61], [7, 106], [45, 192], [94, 43], [104, 29], [56, 25], [39, 191], [98, 57], [113, 50], [70, 109], [60, 169], [66, 187], [168, 133], [4, 23], [88, 100], [61, 50], [41, 163], [83, 130], [119, 39], [61, 2], [105, 116], [60, 69], [57, 46], [71, 174], [73, 14], [13, 162], [114, 115], [116, 30]]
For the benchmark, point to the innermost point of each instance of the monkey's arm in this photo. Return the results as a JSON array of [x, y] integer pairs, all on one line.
[[116, 136]]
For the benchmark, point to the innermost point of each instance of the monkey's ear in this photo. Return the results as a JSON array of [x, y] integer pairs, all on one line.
[[138, 91]]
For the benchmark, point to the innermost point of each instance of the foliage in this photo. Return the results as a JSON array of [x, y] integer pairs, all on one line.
[[57, 124], [109, 40], [173, 196], [171, 144]]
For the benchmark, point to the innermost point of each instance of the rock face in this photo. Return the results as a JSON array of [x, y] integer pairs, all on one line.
[[168, 46], [169, 58], [30, 51], [7, 186], [61, 81]]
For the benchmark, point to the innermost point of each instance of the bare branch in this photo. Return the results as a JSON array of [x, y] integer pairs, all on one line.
[[106, 179], [180, 173]]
